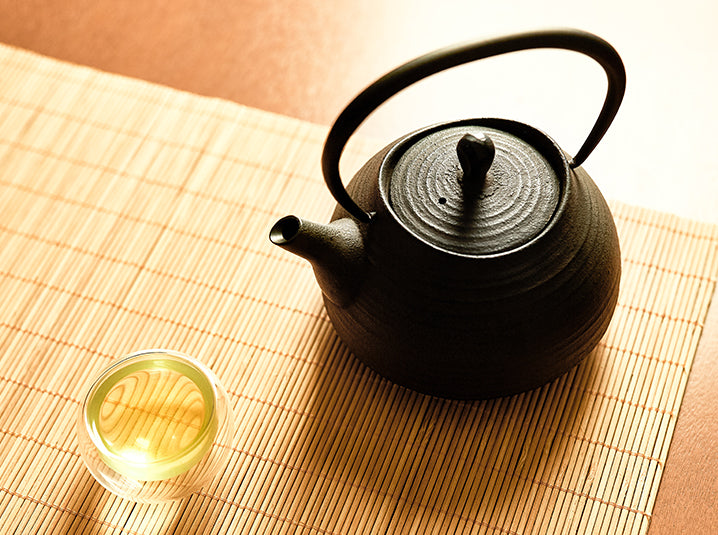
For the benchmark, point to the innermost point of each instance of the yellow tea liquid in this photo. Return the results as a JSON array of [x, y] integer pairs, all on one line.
[[152, 417]]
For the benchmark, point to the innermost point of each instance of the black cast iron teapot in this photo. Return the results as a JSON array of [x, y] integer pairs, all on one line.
[[470, 259]]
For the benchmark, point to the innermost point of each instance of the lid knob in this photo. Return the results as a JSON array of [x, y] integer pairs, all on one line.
[[476, 153]]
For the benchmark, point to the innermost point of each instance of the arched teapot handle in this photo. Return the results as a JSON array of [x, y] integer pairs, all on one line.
[[394, 81]]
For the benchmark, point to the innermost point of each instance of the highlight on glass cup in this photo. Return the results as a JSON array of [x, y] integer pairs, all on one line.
[[155, 426]]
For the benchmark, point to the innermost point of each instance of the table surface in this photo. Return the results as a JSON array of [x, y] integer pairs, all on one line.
[[308, 58]]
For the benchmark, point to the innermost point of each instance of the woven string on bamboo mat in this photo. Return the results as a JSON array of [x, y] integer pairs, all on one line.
[[135, 216]]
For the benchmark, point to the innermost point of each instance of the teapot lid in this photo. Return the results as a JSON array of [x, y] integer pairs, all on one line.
[[475, 187]]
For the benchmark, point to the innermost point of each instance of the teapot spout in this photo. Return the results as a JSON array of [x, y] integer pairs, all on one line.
[[335, 251]]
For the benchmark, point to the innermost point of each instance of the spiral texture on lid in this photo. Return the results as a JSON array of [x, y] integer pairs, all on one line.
[[513, 204]]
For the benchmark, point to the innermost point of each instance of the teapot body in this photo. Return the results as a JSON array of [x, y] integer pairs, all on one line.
[[471, 259], [478, 326]]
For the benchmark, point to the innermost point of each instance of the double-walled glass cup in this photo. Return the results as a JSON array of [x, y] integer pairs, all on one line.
[[155, 426]]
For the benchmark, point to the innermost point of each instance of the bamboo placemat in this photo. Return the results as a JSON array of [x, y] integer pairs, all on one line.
[[135, 216]]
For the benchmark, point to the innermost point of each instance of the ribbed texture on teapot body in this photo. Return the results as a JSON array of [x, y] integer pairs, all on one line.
[[472, 327]]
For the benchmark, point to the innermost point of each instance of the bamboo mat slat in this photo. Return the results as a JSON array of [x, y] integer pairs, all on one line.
[[136, 216]]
